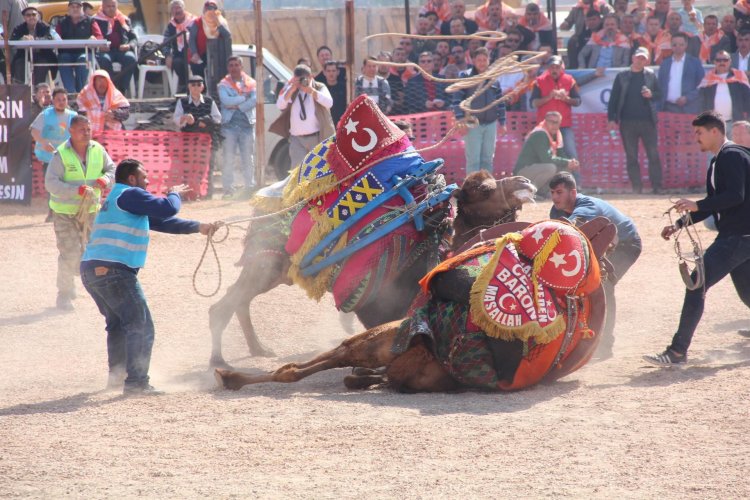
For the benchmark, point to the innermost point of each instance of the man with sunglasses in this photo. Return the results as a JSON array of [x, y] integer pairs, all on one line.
[[725, 90], [34, 29]]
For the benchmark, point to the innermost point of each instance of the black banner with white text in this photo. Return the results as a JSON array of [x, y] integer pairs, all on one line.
[[15, 144]]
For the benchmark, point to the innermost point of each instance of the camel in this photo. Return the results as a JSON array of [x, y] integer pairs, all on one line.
[[416, 367], [482, 202]]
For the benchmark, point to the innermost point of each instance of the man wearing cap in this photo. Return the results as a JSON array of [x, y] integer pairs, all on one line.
[[210, 45], [198, 113], [75, 26], [555, 90], [45, 59], [306, 113], [632, 107]]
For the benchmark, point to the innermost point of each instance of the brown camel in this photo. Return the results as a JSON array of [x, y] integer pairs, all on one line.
[[417, 369], [482, 202]]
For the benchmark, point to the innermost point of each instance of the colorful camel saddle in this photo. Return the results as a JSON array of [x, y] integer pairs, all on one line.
[[362, 193], [507, 317]]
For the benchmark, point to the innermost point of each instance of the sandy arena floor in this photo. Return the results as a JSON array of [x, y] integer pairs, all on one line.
[[616, 429]]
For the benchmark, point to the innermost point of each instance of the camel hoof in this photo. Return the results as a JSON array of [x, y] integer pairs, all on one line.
[[225, 381], [360, 382]]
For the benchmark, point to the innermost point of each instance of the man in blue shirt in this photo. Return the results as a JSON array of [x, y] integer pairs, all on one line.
[[576, 208], [109, 269]]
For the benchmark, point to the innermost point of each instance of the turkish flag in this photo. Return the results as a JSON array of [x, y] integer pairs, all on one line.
[[364, 137]]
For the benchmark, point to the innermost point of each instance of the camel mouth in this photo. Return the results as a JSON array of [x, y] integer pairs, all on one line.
[[527, 194]]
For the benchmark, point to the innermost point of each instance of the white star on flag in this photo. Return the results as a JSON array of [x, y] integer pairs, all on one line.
[[538, 234], [351, 126], [557, 259]]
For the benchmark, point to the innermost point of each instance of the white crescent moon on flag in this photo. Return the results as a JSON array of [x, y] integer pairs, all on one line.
[[577, 255], [369, 145], [502, 298]]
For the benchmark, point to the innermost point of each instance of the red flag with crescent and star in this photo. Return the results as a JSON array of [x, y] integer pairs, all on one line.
[[364, 136]]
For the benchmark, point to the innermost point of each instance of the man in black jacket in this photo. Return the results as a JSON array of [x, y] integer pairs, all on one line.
[[728, 200], [45, 59], [631, 106]]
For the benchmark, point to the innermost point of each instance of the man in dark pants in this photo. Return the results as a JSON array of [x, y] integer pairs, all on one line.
[[728, 200], [631, 105], [576, 208], [109, 269]]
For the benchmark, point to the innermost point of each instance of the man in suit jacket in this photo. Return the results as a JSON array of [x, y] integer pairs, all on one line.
[[422, 94], [607, 48], [725, 90], [679, 77], [741, 58]]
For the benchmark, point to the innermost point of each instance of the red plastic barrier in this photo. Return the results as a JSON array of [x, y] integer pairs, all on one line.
[[602, 158], [170, 158]]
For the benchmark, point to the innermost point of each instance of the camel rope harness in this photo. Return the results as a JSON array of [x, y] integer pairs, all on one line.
[[693, 257]]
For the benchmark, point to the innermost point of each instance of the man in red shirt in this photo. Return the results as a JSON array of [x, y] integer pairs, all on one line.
[[555, 90]]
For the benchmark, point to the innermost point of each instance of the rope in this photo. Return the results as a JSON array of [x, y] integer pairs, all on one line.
[[685, 259], [83, 214], [210, 242]]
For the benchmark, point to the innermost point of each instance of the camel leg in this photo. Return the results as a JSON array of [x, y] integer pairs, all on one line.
[[370, 349], [261, 274]]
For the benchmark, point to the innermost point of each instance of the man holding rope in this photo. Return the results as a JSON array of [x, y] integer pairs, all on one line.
[[110, 265], [728, 200], [79, 170]]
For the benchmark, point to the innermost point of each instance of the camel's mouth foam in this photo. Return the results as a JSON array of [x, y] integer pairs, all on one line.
[[526, 195]]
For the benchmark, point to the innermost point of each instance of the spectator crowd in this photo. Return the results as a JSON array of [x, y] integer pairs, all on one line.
[[633, 37]]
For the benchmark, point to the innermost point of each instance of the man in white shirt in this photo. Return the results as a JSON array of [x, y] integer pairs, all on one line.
[[741, 58], [679, 76], [725, 90], [306, 108]]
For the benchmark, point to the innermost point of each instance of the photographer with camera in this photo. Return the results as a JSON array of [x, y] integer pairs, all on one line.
[[197, 112], [306, 114]]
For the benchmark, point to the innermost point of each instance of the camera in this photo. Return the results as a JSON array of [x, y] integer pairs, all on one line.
[[303, 76]]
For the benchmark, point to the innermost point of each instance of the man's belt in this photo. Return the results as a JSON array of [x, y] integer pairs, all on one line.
[[307, 135]]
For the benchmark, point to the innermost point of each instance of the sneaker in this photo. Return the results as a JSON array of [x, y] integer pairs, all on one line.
[[64, 303], [744, 333], [141, 390], [667, 358]]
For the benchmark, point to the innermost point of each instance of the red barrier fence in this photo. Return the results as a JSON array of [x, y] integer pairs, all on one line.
[[169, 157], [602, 158]]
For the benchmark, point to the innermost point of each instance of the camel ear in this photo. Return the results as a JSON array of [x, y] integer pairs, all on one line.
[[488, 185]]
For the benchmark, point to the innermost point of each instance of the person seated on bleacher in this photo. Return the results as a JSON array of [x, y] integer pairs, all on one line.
[[423, 44], [674, 21], [175, 52], [657, 41], [627, 28], [75, 26], [104, 105], [578, 20], [729, 28], [692, 18], [608, 48], [423, 94], [712, 40], [540, 28], [34, 29], [115, 27], [209, 34], [458, 11], [440, 7], [642, 11], [489, 17]]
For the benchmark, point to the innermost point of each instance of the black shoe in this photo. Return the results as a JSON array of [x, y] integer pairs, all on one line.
[[744, 333], [141, 390], [666, 359], [64, 303]]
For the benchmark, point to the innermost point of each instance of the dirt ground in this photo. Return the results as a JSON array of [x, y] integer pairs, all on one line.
[[615, 429]]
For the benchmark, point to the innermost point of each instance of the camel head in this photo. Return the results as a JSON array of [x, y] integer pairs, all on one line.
[[484, 201]]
